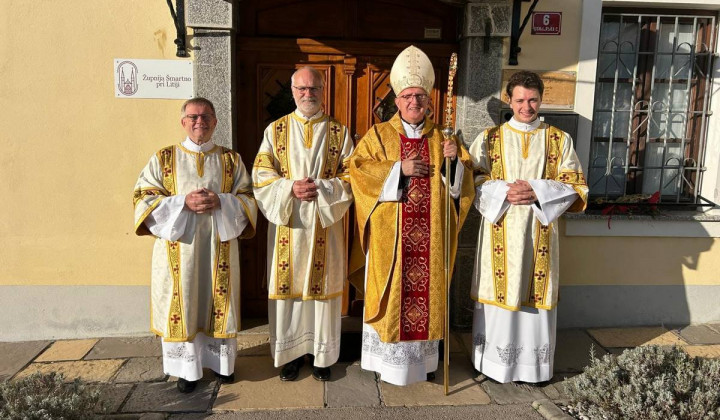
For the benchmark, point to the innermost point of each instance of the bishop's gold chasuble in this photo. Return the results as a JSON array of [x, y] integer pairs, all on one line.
[[195, 282], [403, 240], [306, 239], [518, 260]]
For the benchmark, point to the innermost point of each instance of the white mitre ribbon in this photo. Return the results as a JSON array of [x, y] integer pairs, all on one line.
[[412, 68]]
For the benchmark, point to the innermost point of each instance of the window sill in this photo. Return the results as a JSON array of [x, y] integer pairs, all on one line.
[[669, 224]]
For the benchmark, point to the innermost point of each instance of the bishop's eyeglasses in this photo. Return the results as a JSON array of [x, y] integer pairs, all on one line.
[[419, 97]]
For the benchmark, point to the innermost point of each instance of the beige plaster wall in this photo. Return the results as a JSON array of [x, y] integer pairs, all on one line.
[[71, 150], [639, 261]]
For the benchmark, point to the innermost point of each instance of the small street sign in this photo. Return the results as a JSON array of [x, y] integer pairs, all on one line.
[[546, 23]]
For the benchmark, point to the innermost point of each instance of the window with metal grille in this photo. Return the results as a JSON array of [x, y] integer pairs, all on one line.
[[651, 106]]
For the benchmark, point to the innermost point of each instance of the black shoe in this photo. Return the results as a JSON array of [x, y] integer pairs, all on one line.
[[225, 379], [186, 386], [430, 376], [291, 370], [321, 374]]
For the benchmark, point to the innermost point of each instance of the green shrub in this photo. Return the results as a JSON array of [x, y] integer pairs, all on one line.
[[650, 383], [45, 396]]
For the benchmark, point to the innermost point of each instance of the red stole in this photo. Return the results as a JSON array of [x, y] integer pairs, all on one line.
[[415, 243]]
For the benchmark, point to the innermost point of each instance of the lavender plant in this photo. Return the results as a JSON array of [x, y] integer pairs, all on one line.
[[44, 397], [648, 382]]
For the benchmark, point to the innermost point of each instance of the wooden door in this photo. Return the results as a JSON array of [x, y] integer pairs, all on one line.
[[357, 93]]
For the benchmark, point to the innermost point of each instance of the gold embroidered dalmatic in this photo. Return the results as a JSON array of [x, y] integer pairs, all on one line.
[[306, 239], [195, 282], [517, 260], [381, 233]]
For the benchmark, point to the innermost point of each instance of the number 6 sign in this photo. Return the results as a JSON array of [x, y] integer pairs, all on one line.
[[546, 23]]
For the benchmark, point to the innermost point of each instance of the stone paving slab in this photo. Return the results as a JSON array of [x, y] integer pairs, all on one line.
[[254, 326], [141, 369], [88, 371], [712, 351], [126, 347], [464, 389], [633, 337], [714, 327], [572, 351], [700, 334], [512, 393], [16, 356], [164, 397], [258, 387], [111, 397], [549, 410], [66, 350], [555, 390], [253, 344], [351, 386]]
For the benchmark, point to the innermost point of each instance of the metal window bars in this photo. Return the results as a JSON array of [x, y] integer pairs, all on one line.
[[652, 106]]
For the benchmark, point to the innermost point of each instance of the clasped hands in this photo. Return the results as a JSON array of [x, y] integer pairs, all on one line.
[[417, 167], [201, 200], [305, 189], [521, 193]]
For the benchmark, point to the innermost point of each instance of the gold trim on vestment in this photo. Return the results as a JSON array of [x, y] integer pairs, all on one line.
[[498, 230], [308, 128], [280, 128], [540, 272], [317, 276], [176, 315], [264, 160], [220, 289], [284, 267], [228, 167], [250, 196], [266, 182], [332, 149], [300, 296], [192, 336], [142, 218], [140, 193], [499, 259], [166, 156]]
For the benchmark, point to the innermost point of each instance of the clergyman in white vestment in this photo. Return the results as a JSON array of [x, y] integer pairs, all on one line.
[[526, 175], [301, 185], [196, 199]]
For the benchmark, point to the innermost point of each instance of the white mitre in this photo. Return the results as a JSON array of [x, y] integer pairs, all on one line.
[[412, 68]]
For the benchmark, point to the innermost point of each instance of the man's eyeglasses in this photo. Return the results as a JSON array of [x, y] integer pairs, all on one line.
[[306, 89], [420, 97], [195, 117]]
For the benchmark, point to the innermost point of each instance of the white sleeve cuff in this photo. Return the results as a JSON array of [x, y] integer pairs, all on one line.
[[554, 197], [168, 220], [491, 200], [230, 219], [456, 185], [391, 190]]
